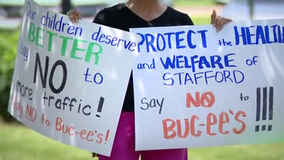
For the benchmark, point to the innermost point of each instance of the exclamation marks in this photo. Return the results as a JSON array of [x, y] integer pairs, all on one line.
[[107, 135], [100, 106], [264, 107]]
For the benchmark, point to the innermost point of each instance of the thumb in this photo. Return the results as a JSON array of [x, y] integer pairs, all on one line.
[[213, 16]]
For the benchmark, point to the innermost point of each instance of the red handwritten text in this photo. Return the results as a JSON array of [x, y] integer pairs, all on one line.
[[31, 113], [44, 120], [200, 100], [193, 126], [89, 136], [19, 108]]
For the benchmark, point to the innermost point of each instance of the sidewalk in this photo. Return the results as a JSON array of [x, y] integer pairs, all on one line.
[[200, 11]]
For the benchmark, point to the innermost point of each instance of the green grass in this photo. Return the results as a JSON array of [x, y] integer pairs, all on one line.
[[201, 20], [193, 2], [21, 143]]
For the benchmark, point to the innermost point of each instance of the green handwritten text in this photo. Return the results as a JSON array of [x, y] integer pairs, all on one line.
[[37, 35]]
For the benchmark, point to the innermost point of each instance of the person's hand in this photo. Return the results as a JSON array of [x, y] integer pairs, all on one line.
[[219, 22], [74, 15]]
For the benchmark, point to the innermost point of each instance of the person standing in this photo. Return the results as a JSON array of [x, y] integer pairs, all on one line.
[[134, 14]]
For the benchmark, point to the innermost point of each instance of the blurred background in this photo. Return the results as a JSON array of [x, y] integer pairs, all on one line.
[[20, 143]]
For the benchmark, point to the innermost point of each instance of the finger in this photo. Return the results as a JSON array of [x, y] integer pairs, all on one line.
[[228, 20], [78, 14], [224, 22], [216, 22], [71, 16], [221, 23], [74, 17], [213, 17]]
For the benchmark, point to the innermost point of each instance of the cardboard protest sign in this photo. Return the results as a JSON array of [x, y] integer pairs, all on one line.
[[70, 80], [195, 87]]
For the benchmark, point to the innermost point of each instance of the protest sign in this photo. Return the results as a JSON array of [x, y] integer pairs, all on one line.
[[70, 79], [195, 87]]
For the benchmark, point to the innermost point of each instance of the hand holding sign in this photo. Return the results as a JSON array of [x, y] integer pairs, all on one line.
[[219, 22], [61, 86], [210, 92], [74, 15]]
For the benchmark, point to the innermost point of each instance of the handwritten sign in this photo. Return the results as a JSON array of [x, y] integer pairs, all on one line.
[[198, 88], [69, 78]]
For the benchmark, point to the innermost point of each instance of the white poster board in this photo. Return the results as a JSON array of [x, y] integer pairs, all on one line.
[[70, 79], [195, 87]]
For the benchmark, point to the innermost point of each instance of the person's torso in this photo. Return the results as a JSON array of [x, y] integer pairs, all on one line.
[[121, 17]]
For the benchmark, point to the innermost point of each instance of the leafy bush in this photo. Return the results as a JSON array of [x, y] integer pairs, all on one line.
[[8, 51]]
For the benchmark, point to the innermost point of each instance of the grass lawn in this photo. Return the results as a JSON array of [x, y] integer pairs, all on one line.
[[201, 20], [20, 143]]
